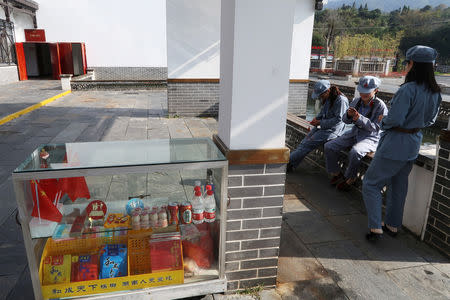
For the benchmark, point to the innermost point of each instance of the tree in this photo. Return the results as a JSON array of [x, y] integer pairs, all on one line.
[[438, 38], [426, 8]]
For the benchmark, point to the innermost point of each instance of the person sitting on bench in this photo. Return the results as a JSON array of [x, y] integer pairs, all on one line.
[[328, 123], [365, 113]]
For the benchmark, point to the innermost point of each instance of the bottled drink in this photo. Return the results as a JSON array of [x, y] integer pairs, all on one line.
[[197, 208], [198, 185], [210, 207], [209, 179], [208, 187]]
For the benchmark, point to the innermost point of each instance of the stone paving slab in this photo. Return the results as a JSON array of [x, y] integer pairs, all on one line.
[[423, 282], [307, 225], [351, 270], [326, 199], [19, 95]]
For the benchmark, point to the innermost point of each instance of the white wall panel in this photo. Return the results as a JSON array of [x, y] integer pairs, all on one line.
[[117, 33]]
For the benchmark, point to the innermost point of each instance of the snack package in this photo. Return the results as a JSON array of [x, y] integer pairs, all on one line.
[[117, 221], [201, 249], [57, 269], [62, 232], [113, 261], [165, 251], [84, 267]]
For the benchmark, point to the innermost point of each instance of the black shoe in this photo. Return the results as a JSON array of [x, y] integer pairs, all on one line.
[[289, 168], [388, 231], [336, 179], [373, 237], [344, 186]]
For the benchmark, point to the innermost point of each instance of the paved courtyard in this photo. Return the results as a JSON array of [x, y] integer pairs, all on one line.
[[323, 253]]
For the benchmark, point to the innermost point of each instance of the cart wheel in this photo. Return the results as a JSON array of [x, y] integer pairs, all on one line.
[[18, 219]]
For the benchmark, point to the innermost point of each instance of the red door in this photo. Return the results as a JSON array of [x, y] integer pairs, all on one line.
[[54, 56], [83, 54], [65, 58], [21, 64]]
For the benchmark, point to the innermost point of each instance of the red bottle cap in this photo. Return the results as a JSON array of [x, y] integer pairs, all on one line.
[[208, 187], [210, 192], [198, 193]]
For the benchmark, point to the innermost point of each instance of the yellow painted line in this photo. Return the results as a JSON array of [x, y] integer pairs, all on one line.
[[31, 108]]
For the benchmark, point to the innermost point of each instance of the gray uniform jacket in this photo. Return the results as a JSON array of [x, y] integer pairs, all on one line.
[[367, 126]]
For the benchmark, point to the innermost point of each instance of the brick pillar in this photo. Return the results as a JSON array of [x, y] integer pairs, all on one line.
[[437, 232], [254, 213]]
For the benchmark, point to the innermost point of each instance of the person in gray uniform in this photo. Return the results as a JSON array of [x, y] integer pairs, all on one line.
[[414, 106], [365, 113], [328, 123]]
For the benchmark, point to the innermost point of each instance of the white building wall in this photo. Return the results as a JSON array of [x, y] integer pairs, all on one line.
[[302, 39], [2, 13], [21, 22], [193, 38], [117, 33]]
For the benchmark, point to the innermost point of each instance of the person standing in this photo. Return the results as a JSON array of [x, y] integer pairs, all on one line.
[[365, 113], [413, 107], [328, 123]]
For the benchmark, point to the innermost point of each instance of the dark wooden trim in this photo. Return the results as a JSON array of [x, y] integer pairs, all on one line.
[[445, 135], [193, 80], [298, 80], [253, 157]]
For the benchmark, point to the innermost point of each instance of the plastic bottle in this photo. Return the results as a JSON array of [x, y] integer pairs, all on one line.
[[208, 187], [136, 220], [210, 207], [145, 218], [197, 208], [162, 217], [209, 179], [198, 185]]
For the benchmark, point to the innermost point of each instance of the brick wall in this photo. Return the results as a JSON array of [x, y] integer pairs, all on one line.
[[438, 232], [298, 94], [8, 74], [254, 224], [201, 99], [130, 73], [196, 99]]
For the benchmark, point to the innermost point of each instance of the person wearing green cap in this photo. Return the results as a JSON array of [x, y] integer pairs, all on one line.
[[413, 107]]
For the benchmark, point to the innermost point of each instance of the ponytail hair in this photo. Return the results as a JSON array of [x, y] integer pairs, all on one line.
[[334, 93]]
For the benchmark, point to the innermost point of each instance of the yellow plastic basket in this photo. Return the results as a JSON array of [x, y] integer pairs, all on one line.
[[139, 264]]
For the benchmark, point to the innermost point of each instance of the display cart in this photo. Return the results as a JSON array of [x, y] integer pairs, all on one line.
[[67, 194]]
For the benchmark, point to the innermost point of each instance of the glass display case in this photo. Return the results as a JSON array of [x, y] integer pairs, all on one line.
[[126, 217]]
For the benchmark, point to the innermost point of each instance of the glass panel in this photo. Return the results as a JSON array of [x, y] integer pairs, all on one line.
[[120, 153], [91, 209]]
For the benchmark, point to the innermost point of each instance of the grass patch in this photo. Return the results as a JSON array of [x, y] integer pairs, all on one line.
[[252, 291]]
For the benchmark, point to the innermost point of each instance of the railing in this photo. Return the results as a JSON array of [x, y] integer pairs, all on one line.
[[371, 67], [315, 64], [344, 65], [7, 45]]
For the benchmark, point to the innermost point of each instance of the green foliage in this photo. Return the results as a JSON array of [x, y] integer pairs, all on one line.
[[351, 31]]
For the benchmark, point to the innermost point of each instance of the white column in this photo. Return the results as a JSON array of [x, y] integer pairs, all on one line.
[[387, 66], [255, 49], [302, 39], [323, 63], [355, 71]]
